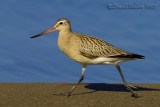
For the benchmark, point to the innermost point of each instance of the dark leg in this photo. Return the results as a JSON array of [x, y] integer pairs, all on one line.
[[82, 77], [125, 83]]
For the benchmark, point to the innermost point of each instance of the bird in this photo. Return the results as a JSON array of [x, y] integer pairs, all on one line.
[[89, 50]]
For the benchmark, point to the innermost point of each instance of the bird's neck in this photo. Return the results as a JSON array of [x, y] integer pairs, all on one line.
[[65, 31], [64, 39], [65, 34]]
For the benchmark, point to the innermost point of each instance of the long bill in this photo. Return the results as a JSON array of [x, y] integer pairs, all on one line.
[[52, 29]]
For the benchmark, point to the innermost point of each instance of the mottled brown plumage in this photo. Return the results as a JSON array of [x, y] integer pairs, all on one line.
[[97, 47], [89, 50]]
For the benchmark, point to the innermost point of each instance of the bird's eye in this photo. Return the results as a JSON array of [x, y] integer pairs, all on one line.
[[61, 23]]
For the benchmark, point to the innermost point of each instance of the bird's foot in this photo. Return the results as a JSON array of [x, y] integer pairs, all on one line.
[[132, 86], [68, 94], [129, 87], [135, 95]]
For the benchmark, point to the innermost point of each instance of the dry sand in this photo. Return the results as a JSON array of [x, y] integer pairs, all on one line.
[[86, 95]]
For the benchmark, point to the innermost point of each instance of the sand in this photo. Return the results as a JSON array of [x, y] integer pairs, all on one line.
[[86, 95]]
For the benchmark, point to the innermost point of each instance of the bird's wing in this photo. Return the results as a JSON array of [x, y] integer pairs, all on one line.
[[93, 47]]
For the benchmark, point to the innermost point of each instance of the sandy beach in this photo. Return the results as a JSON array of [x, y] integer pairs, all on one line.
[[86, 95]]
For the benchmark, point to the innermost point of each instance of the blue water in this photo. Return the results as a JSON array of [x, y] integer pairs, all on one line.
[[39, 60]]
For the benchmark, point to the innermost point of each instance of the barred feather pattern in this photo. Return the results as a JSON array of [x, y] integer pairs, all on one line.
[[94, 47]]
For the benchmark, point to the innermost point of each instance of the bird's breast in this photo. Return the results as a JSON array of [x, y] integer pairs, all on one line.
[[68, 46]]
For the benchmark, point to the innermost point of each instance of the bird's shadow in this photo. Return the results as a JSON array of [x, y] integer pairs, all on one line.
[[115, 87], [94, 87]]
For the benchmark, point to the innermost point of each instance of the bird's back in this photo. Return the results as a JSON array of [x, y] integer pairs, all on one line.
[[97, 47]]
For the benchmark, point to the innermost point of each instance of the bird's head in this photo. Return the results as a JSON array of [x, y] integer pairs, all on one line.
[[62, 24]]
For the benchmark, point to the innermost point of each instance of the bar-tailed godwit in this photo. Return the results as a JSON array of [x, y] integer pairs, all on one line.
[[89, 50]]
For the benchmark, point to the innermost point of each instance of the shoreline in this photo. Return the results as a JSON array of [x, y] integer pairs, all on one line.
[[85, 95]]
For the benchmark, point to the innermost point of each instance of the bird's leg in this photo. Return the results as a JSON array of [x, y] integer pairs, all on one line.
[[125, 83], [81, 78]]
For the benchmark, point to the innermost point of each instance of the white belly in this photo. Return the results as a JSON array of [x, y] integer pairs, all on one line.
[[105, 60]]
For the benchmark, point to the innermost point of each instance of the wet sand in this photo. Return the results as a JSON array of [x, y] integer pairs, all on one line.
[[86, 95]]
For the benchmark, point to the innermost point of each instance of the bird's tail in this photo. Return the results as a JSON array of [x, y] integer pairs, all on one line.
[[134, 56], [137, 56]]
